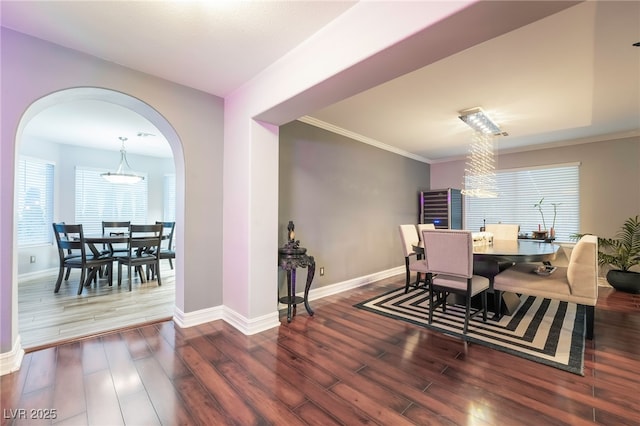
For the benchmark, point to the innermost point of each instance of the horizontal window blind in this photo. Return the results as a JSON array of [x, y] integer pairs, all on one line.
[[169, 195], [519, 191], [98, 200], [35, 201]]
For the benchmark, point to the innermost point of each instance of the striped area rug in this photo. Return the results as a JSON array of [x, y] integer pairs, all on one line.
[[541, 330]]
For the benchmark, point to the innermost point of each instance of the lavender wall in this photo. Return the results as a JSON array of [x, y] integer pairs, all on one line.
[[191, 121]]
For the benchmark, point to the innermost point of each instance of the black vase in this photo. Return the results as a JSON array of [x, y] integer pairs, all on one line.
[[627, 281]]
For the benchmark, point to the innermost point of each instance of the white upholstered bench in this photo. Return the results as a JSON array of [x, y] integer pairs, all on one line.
[[576, 283]]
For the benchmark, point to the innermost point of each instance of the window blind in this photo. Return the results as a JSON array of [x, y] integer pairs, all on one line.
[[35, 201], [519, 191], [169, 201], [98, 200]]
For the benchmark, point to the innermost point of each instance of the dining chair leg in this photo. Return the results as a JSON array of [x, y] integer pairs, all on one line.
[[81, 283], [156, 268], [59, 280], [66, 277], [119, 274], [467, 313], [484, 306], [406, 285], [130, 278]]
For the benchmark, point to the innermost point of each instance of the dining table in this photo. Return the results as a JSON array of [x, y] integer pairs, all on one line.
[[107, 239], [508, 251]]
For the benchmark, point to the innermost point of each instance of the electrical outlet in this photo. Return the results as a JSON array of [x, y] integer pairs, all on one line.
[[32, 259], [321, 271]]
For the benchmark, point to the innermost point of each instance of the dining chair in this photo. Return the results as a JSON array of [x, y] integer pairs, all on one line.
[[503, 231], [490, 268], [167, 250], [142, 250], [119, 227], [409, 237], [449, 263], [422, 226], [70, 239]]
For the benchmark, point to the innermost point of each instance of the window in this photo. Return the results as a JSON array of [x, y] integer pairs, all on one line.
[[98, 200], [35, 201], [169, 201], [520, 190]]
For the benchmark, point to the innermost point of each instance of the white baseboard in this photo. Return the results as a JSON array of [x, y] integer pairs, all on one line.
[[249, 326], [43, 273], [11, 361], [330, 290], [190, 319]]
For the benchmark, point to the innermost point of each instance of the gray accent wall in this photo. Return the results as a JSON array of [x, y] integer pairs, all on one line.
[[346, 199]]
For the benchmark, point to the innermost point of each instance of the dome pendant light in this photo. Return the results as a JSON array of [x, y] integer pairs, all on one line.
[[123, 174]]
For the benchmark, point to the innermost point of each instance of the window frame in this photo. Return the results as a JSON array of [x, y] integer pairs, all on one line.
[[527, 186], [45, 234]]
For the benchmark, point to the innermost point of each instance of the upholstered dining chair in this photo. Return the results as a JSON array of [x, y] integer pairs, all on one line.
[[422, 226], [72, 253], [142, 250], [449, 263], [503, 231], [489, 269], [409, 237]]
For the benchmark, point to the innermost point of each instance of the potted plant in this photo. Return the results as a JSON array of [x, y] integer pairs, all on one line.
[[544, 232], [541, 232], [622, 253]]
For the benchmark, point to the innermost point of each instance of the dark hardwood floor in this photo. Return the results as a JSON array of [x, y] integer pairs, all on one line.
[[342, 366]]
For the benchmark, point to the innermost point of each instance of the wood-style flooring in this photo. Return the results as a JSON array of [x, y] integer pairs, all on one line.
[[343, 366], [45, 317]]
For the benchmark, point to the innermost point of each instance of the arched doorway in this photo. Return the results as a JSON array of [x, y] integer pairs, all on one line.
[[135, 106]]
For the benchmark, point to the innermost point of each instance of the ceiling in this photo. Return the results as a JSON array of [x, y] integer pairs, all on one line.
[[571, 77]]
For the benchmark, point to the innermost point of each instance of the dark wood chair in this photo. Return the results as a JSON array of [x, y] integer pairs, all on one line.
[[115, 227], [142, 250], [72, 252], [167, 250]]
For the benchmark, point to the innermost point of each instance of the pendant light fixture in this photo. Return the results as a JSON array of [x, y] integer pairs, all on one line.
[[123, 174], [479, 173]]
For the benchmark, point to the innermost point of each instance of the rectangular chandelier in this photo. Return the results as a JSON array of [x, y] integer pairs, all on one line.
[[479, 173], [480, 122]]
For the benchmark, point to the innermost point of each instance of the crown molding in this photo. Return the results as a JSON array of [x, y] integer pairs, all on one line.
[[360, 138]]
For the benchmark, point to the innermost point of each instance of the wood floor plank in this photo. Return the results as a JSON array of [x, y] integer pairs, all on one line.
[[228, 398], [103, 406], [69, 393], [166, 400]]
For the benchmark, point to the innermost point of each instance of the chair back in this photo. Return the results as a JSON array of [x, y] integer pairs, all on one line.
[[167, 231], [582, 271], [422, 226], [144, 239], [408, 237], [449, 252], [113, 227], [69, 238], [503, 231]]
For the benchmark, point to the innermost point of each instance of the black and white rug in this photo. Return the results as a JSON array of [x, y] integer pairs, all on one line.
[[542, 330]]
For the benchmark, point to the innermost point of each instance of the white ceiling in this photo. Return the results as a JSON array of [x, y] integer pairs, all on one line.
[[572, 76]]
